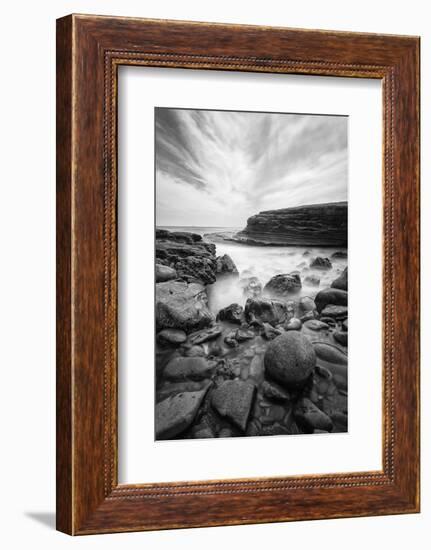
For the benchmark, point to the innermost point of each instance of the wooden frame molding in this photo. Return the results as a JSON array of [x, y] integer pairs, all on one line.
[[89, 51]]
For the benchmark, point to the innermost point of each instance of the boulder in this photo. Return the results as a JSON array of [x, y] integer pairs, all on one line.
[[176, 413], [306, 304], [164, 273], [341, 281], [233, 400], [316, 325], [243, 334], [232, 314], [225, 265], [330, 353], [283, 285], [181, 368], [230, 339], [274, 392], [340, 254], [293, 324], [341, 337], [336, 312], [171, 336], [265, 311], [269, 332], [290, 359], [182, 306], [204, 335], [321, 263], [332, 296], [309, 417]]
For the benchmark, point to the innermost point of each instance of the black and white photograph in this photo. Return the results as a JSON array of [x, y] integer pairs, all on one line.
[[251, 273]]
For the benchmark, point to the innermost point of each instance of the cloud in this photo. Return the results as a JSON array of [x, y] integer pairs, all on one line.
[[217, 168]]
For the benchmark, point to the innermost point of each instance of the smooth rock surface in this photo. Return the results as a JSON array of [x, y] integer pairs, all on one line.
[[341, 282], [180, 368], [164, 273], [290, 359], [171, 336], [233, 400], [330, 296], [176, 413], [330, 353]]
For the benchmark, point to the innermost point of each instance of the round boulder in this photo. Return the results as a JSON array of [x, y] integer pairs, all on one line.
[[283, 284], [341, 281], [321, 263], [290, 359]]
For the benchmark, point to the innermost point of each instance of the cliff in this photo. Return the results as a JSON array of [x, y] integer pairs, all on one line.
[[310, 225]]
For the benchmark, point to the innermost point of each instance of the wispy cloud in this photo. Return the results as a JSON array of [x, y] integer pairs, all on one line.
[[217, 168]]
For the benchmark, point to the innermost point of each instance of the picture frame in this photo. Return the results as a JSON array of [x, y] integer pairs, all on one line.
[[89, 51]]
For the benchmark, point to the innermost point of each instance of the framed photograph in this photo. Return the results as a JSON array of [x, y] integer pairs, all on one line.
[[237, 274]]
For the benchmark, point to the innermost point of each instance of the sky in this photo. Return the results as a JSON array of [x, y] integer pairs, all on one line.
[[218, 168]]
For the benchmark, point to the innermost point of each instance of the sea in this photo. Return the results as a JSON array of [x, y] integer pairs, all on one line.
[[263, 262]]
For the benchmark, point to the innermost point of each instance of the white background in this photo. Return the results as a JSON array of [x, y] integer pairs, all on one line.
[[27, 216], [143, 460]]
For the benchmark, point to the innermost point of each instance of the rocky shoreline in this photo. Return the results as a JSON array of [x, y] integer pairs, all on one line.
[[274, 364], [310, 225]]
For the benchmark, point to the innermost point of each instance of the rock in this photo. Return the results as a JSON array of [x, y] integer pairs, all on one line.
[[344, 325], [232, 314], [265, 310], [283, 285], [290, 359], [275, 429], [269, 332], [204, 335], [321, 263], [226, 266], [340, 254], [176, 413], [307, 317], [193, 259], [310, 417], [341, 281], [243, 334], [256, 369], [226, 432], [329, 321], [171, 388], [336, 312], [330, 296], [171, 336], [340, 337], [306, 304], [316, 325], [275, 393], [312, 280], [310, 225], [233, 399], [182, 306], [203, 431], [251, 287], [293, 324], [230, 340], [330, 353], [164, 273], [195, 351], [180, 368]]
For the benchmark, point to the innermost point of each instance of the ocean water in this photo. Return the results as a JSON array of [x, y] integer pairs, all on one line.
[[264, 262]]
